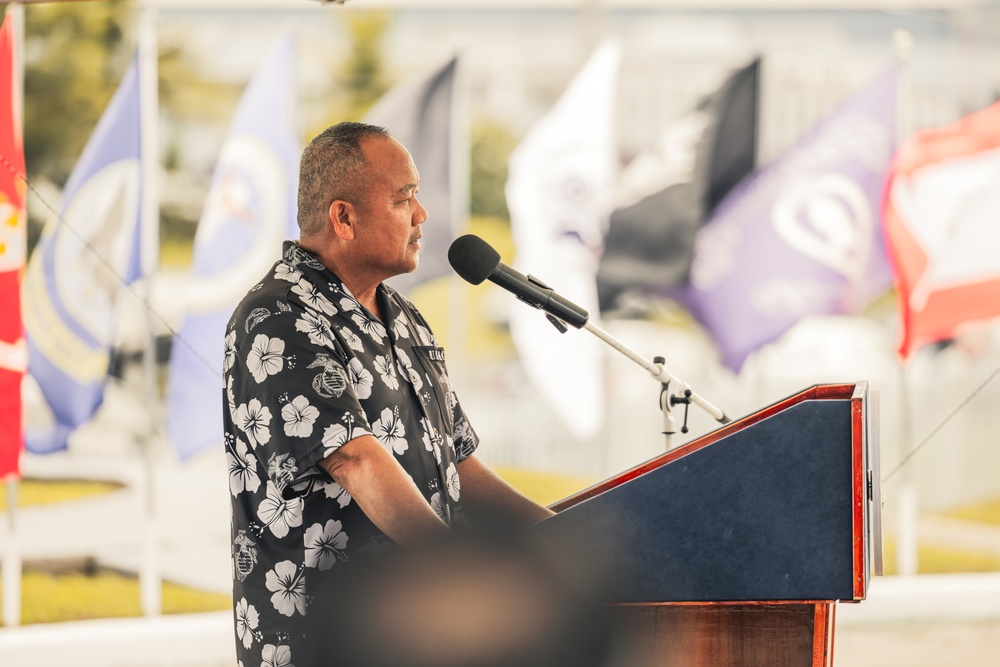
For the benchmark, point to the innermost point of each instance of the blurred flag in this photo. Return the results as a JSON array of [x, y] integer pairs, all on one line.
[[81, 260], [13, 247], [559, 193], [800, 236], [942, 224], [666, 193], [250, 210], [419, 115]]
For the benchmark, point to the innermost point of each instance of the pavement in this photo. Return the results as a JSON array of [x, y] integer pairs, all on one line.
[[926, 620]]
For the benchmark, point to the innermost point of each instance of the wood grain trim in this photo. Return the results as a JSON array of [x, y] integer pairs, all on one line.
[[823, 628], [859, 483]]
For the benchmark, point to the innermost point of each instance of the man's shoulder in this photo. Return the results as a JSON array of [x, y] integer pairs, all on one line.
[[270, 294]]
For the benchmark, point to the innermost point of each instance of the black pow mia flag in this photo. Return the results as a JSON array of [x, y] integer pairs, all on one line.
[[670, 190]]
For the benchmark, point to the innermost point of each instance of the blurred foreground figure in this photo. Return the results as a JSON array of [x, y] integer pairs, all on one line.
[[343, 434], [470, 601]]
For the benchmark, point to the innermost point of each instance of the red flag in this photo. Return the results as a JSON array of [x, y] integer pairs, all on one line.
[[13, 241], [942, 223]]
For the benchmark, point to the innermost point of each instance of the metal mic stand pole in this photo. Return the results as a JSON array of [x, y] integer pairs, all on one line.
[[673, 390]]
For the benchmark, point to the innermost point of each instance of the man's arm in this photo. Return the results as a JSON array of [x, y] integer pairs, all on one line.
[[485, 494], [383, 490]]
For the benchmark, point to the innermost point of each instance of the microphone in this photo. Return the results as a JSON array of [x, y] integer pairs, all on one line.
[[475, 260]]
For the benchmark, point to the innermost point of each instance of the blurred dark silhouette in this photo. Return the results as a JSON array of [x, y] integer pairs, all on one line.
[[477, 600]]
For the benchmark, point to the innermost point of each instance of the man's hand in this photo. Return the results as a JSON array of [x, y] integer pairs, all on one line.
[[486, 495]]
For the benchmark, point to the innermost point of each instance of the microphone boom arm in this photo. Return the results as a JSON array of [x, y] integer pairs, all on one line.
[[660, 372]]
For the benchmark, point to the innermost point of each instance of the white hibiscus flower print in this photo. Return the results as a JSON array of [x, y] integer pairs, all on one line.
[[289, 588], [334, 437], [452, 482], [370, 326], [242, 469], [425, 336], [325, 544], [348, 304], [406, 370], [254, 419], [316, 327], [336, 491], [285, 272], [399, 327], [352, 339], [265, 357], [276, 656], [299, 417], [360, 379], [313, 298], [247, 620], [387, 371], [390, 431], [431, 438], [437, 504], [277, 514], [231, 398], [229, 345]]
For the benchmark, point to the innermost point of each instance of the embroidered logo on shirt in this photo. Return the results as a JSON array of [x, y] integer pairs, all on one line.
[[244, 555]]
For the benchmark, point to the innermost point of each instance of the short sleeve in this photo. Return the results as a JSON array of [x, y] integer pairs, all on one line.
[[292, 398]]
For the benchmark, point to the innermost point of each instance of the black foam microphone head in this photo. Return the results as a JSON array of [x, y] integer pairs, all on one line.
[[472, 258]]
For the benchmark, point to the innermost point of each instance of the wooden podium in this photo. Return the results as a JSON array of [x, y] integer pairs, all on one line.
[[733, 550]]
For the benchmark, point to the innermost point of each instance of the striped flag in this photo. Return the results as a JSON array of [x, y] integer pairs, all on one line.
[[942, 223], [13, 242]]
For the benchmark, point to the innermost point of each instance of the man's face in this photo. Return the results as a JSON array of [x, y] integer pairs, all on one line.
[[389, 215]]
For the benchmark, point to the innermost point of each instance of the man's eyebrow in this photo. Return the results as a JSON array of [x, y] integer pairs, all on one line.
[[408, 188]]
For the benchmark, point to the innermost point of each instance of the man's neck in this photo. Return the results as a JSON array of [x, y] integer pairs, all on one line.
[[362, 287]]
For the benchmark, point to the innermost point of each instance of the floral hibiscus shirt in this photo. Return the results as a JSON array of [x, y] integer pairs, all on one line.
[[307, 369]]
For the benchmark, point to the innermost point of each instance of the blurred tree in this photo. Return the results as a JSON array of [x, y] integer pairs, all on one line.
[[491, 147], [74, 57], [358, 80], [363, 74]]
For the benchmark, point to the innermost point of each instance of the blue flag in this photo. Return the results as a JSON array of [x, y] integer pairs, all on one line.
[[418, 114], [79, 264], [801, 236], [249, 212]]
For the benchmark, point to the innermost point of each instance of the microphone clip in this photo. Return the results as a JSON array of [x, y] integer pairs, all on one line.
[[555, 321]]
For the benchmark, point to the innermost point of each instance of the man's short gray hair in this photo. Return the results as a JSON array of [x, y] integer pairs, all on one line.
[[332, 167]]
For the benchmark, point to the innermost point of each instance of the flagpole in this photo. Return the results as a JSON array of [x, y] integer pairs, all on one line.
[[11, 603], [906, 519], [459, 176], [149, 574]]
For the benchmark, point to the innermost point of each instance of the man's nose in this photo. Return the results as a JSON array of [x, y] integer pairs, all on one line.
[[420, 215]]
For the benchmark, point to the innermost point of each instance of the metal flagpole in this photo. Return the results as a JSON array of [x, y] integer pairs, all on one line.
[[149, 573], [906, 519]]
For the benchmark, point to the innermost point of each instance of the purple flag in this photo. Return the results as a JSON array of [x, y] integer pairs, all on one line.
[[801, 236]]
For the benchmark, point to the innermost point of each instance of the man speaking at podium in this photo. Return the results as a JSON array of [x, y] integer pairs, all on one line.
[[343, 433]]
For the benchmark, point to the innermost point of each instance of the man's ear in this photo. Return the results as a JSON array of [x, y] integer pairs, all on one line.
[[343, 218]]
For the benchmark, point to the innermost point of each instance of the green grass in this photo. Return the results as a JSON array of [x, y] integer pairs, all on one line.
[[543, 488], [987, 511], [47, 491], [940, 560], [50, 597]]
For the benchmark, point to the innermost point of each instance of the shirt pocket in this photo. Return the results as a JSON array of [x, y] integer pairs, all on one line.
[[440, 394]]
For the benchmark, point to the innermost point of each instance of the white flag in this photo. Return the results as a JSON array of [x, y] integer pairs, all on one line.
[[560, 193]]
